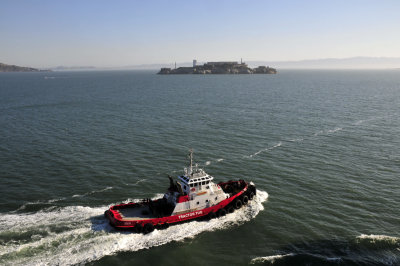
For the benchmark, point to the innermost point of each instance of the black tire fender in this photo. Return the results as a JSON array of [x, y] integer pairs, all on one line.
[[221, 212], [245, 200], [251, 196], [212, 215], [238, 204], [138, 228], [148, 228], [158, 226]]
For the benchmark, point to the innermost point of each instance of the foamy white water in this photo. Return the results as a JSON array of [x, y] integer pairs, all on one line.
[[92, 192], [361, 247], [266, 149], [23, 206], [270, 259], [379, 238], [336, 129]]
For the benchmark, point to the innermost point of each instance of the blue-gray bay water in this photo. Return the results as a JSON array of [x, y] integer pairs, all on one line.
[[323, 148]]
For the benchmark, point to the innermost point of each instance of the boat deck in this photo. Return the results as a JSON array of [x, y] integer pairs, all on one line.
[[136, 213]]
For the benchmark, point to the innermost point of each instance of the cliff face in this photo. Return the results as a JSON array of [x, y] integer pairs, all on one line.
[[219, 68], [13, 68]]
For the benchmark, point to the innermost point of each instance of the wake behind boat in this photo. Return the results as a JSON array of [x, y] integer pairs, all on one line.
[[192, 196]]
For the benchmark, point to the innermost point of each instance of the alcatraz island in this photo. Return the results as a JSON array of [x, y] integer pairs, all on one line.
[[219, 68]]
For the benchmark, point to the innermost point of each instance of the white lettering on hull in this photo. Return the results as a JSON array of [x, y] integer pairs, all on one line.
[[190, 214]]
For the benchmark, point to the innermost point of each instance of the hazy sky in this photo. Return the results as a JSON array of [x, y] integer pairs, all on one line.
[[120, 33]]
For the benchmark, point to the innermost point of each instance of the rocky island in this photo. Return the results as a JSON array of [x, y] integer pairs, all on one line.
[[13, 68], [219, 68]]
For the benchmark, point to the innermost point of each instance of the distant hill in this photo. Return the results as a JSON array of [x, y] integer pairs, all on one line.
[[73, 68], [13, 68], [335, 63]]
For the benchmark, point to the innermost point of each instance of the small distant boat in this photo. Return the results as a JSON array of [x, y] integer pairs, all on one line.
[[192, 196]]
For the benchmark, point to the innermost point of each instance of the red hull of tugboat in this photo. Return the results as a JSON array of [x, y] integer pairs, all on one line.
[[247, 192]]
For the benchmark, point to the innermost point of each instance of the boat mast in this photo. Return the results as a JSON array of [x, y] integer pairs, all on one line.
[[191, 161]]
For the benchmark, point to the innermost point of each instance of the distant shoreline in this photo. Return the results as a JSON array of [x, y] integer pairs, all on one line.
[[14, 68]]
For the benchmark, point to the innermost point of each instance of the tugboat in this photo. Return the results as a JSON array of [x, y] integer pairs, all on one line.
[[192, 196]]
